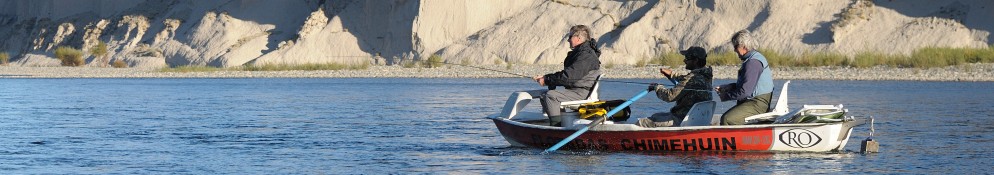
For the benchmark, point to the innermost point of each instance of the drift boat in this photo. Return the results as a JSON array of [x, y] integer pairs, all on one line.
[[814, 128]]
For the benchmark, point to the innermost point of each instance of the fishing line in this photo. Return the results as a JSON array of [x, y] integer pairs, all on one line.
[[529, 77]]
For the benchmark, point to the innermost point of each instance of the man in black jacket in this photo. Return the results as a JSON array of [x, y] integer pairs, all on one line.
[[580, 71]]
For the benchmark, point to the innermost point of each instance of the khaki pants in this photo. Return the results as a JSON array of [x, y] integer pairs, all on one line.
[[661, 119], [745, 108]]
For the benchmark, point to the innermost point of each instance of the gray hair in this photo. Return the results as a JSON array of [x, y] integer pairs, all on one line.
[[743, 38], [580, 30]]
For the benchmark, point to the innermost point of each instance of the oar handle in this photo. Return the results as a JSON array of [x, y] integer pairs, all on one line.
[[584, 129]]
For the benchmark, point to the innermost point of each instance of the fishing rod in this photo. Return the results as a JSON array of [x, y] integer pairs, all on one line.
[[529, 77]]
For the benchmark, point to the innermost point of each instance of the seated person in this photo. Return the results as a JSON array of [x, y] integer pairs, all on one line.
[[754, 88], [580, 71], [692, 88]]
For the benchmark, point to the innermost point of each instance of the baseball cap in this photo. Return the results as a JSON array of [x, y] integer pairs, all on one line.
[[695, 52]]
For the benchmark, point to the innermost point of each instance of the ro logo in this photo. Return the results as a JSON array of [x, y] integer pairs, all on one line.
[[799, 138]]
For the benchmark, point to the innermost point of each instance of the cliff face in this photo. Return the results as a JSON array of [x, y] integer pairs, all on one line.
[[238, 32]]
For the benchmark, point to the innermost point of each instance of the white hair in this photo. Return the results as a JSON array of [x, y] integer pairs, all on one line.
[[744, 39]]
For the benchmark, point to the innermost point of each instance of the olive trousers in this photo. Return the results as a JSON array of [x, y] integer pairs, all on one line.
[[745, 108]]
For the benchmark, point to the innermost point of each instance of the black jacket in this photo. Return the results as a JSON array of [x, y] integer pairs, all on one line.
[[582, 60]]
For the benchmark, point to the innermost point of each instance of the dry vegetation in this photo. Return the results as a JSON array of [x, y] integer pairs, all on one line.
[[70, 56], [921, 58], [268, 67], [4, 58]]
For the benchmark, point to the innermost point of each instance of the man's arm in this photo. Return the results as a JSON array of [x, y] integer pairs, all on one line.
[[747, 84], [671, 94]]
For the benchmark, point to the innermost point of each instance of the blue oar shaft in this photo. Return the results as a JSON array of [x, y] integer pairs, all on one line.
[[584, 129]]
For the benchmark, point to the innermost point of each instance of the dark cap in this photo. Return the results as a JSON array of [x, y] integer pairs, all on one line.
[[695, 52]]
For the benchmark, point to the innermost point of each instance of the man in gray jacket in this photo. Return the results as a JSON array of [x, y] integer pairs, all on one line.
[[580, 71]]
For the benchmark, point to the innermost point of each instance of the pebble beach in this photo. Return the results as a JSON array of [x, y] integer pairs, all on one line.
[[968, 72]]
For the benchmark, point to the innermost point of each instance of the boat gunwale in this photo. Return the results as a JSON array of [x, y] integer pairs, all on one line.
[[681, 128]]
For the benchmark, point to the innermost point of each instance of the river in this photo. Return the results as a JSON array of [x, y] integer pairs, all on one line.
[[404, 125]]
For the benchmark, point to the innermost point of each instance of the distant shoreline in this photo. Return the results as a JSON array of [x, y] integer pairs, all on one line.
[[968, 72]]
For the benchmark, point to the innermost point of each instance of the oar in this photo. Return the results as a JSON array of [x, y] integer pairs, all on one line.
[[592, 124]]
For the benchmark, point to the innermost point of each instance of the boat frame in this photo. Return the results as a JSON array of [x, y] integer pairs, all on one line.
[[530, 129]]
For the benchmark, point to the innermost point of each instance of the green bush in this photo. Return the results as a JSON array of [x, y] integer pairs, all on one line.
[[870, 59], [642, 62], [4, 58], [100, 52], [818, 59], [70, 56], [774, 58], [922, 58], [724, 58], [434, 61], [672, 59], [409, 64]]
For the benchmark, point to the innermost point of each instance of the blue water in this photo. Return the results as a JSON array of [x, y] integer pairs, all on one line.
[[376, 126]]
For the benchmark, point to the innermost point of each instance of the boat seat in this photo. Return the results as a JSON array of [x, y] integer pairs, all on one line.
[[702, 114], [592, 97], [518, 100], [779, 110]]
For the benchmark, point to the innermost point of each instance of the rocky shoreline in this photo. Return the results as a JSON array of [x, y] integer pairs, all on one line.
[[970, 72]]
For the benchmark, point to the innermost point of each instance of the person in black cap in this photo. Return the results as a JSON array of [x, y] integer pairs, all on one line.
[[692, 88]]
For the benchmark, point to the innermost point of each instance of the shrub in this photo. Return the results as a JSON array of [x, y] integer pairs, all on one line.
[[986, 55], [818, 59], [672, 59], [869, 59], [724, 58], [409, 64], [69, 56], [4, 58], [773, 57], [100, 51], [286, 67], [434, 61], [642, 62], [120, 64]]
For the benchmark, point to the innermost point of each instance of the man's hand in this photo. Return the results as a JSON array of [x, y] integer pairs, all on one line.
[[666, 72], [540, 79], [652, 87]]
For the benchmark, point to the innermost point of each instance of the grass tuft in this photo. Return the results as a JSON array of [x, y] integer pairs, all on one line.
[[120, 64], [671, 59], [4, 58], [306, 67], [70, 56], [434, 61], [922, 58], [100, 53]]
